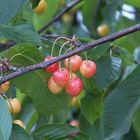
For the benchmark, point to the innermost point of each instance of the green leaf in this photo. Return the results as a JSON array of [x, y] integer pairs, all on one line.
[[108, 11], [91, 106], [135, 3], [36, 82], [108, 70], [23, 33], [28, 113], [137, 55], [58, 132], [125, 55], [44, 119], [89, 8], [136, 122], [89, 85], [131, 135], [98, 51], [94, 131], [120, 105], [9, 8], [35, 3], [128, 70], [1, 136], [5, 120], [39, 20], [131, 41], [19, 133]]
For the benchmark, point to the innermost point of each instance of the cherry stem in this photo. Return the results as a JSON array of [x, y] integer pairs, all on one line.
[[55, 43], [69, 49], [85, 54], [60, 51], [70, 68], [18, 54], [69, 65], [27, 57], [14, 56]]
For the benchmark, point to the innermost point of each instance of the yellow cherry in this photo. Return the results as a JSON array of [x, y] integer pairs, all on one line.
[[4, 87], [41, 7], [103, 30], [19, 122], [14, 106]]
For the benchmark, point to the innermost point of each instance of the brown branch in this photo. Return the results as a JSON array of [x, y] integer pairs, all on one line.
[[57, 17], [82, 48]]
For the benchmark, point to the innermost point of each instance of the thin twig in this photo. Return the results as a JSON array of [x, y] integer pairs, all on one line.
[[51, 36], [57, 17], [10, 44], [7, 45], [80, 49]]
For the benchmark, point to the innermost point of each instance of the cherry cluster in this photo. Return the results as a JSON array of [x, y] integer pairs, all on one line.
[[65, 78]]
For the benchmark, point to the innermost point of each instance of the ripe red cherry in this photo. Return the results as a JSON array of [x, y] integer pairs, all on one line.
[[88, 68], [74, 61], [74, 87], [61, 77], [52, 68], [53, 87]]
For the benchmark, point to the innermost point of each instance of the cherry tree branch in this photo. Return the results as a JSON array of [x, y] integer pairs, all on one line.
[[82, 48], [57, 17]]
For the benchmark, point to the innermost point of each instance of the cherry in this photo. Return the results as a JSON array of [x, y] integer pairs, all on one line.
[[19, 122], [61, 77], [103, 30], [74, 123], [3, 40], [52, 68], [74, 61], [41, 7], [62, 2], [88, 68], [14, 106], [67, 18], [74, 87], [53, 87], [4, 87]]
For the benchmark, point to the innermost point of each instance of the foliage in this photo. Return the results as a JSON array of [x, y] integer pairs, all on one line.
[[110, 101]]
